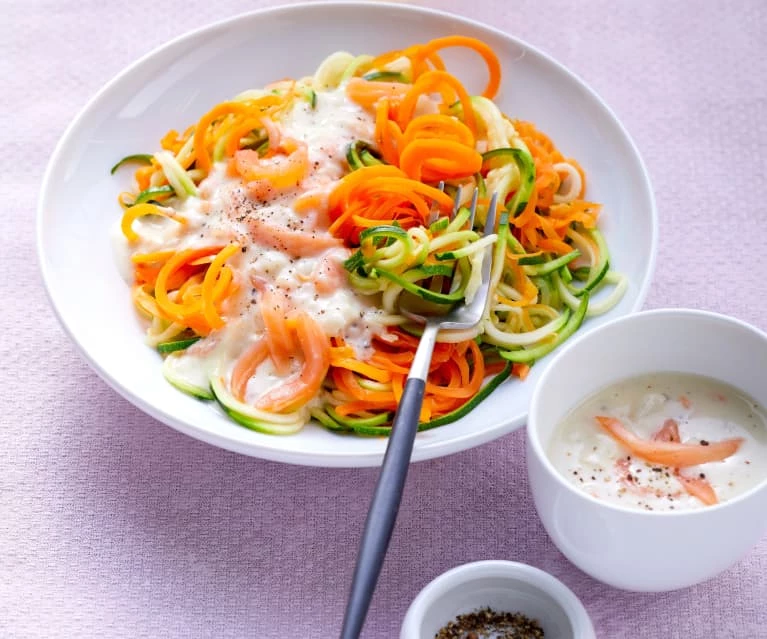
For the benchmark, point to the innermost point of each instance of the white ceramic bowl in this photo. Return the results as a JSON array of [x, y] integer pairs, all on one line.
[[172, 86], [631, 549], [503, 586]]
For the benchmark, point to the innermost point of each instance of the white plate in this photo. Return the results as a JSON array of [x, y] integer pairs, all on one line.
[[172, 86]]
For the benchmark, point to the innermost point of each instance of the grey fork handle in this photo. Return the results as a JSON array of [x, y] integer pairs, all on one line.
[[388, 492]]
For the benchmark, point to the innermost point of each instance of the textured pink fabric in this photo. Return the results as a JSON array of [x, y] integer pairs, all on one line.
[[112, 525]]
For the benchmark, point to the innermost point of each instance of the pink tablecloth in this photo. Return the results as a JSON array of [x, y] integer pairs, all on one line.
[[112, 525]]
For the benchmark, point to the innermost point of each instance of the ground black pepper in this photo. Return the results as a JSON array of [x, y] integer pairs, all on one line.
[[489, 624]]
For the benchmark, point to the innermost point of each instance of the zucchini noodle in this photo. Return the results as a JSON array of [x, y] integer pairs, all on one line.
[[275, 242]]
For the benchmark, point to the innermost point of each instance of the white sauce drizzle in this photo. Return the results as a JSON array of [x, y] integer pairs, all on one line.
[[225, 212]]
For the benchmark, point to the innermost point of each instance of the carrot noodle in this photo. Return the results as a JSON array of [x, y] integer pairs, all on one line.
[[217, 262]]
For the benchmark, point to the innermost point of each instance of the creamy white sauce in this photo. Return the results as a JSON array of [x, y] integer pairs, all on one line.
[[121, 252], [327, 130], [705, 410], [225, 212], [264, 379]]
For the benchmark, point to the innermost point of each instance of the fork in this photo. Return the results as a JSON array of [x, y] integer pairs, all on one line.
[[388, 492]]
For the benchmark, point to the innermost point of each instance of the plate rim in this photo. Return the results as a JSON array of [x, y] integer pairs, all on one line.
[[423, 450]]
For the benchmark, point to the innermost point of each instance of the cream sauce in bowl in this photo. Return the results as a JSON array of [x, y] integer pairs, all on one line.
[[703, 412]]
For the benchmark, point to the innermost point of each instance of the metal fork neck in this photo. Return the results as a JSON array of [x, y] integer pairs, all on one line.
[[419, 369]]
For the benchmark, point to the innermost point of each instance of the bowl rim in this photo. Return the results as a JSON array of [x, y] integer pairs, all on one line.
[[543, 581], [667, 314], [339, 458]]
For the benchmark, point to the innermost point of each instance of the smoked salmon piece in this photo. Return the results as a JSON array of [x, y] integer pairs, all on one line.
[[669, 453]]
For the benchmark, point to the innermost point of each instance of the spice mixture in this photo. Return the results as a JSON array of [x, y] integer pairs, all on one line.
[[489, 624]]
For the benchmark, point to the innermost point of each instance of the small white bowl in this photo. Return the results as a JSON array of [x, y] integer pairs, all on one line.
[[504, 586], [626, 548]]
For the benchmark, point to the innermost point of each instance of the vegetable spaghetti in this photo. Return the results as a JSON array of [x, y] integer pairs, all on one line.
[[273, 243]]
